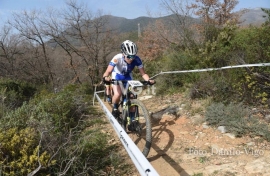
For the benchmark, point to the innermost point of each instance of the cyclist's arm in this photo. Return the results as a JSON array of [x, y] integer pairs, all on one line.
[[111, 66], [145, 76], [108, 72]]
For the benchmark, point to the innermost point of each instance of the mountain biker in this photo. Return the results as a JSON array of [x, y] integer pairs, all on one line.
[[109, 91], [120, 68]]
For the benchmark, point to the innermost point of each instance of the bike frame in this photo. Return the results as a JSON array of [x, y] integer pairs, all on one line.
[[127, 92]]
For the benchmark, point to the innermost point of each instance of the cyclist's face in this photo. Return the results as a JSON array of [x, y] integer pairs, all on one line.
[[129, 59]]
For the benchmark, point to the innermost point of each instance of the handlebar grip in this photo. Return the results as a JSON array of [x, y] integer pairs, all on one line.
[[147, 83]]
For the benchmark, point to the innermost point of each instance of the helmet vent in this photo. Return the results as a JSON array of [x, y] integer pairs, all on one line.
[[129, 48]]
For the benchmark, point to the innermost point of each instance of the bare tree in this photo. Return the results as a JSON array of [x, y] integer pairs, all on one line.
[[9, 52], [73, 41], [84, 37], [215, 14], [178, 31], [28, 25], [181, 20], [154, 42]]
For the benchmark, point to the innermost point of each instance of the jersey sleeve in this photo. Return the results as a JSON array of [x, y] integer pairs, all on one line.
[[114, 61], [139, 63]]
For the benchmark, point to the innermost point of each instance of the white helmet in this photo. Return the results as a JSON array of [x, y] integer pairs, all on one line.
[[129, 48]]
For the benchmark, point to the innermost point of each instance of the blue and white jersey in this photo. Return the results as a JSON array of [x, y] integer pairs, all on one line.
[[122, 70]]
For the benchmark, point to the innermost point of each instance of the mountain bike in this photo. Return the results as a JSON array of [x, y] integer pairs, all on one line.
[[139, 129]]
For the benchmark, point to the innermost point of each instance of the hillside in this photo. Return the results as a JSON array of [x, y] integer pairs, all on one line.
[[121, 24], [124, 25], [253, 16]]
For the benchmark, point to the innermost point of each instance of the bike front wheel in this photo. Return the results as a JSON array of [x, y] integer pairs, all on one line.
[[140, 129]]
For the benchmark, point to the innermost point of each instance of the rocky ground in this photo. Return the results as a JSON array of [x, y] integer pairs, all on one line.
[[184, 145]]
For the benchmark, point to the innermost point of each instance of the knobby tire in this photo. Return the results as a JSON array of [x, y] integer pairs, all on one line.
[[146, 137]]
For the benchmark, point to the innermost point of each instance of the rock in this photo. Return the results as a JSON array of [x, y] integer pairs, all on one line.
[[230, 135], [205, 126], [222, 129], [168, 110], [250, 143], [145, 97]]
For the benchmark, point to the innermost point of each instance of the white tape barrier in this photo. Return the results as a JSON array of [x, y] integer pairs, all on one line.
[[213, 69], [141, 163]]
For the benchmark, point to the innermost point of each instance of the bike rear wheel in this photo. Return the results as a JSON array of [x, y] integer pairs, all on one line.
[[141, 132]]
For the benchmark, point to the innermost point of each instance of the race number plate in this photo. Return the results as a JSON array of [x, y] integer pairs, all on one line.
[[134, 83]]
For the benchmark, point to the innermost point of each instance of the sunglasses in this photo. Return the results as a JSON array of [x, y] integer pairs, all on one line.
[[130, 56]]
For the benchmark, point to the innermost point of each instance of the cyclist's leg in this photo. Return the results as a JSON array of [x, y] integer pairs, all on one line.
[[116, 95], [108, 93], [116, 99], [111, 90]]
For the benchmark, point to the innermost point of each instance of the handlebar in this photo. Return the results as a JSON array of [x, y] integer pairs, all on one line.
[[147, 83], [125, 81]]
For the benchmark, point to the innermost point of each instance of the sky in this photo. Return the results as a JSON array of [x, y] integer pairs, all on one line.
[[129, 9]]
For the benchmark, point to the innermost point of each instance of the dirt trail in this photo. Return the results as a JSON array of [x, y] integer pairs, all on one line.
[[183, 145]]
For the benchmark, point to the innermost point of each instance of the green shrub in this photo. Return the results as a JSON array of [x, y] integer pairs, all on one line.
[[237, 119], [15, 92], [174, 61], [63, 129], [20, 152], [203, 87]]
